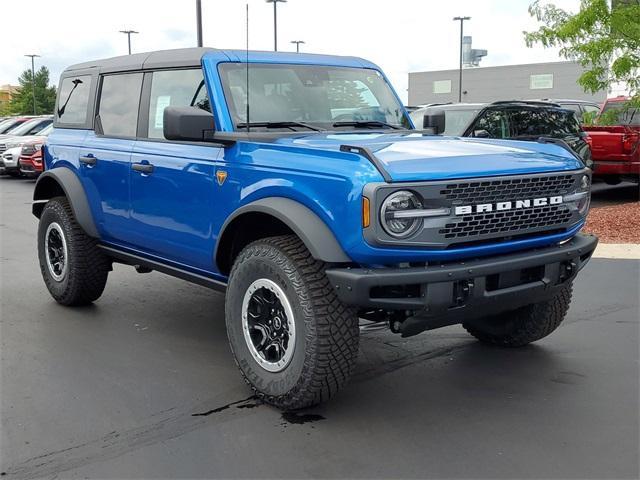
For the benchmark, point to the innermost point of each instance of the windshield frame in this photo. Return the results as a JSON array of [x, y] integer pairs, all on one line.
[[406, 122]]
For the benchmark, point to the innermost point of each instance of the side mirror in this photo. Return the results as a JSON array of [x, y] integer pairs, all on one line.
[[434, 121], [481, 134], [187, 124]]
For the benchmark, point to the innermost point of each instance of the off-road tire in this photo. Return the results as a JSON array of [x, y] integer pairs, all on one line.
[[88, 267], [327, 333], [524, 325]]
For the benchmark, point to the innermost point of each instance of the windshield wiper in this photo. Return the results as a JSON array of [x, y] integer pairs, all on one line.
[[366, 124], [278, 125]]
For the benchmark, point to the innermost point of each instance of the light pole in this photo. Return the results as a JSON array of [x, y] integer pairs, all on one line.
[[33, 79], [461, 19], [275, 22], [297, 42], [129, 32], [199, 21]]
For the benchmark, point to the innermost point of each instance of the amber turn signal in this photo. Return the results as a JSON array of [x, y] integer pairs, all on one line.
[[366, 213]]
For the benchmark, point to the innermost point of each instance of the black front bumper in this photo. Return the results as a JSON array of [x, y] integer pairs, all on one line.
[[469, 288]]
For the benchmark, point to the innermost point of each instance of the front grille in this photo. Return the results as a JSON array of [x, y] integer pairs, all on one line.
[[508, 223], [487, 191], [3, 147], [488, 220]]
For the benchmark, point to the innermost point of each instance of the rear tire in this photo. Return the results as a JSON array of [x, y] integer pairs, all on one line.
[[74, 269], [524, 325], [294, 362]]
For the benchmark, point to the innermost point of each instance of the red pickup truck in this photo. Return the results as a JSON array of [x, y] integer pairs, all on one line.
[[615, 149]]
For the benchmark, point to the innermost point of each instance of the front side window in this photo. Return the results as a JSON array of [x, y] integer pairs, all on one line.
[[623, 113], [178, 88], [321, 96], [73, 100], [494, 123], [119, 102]]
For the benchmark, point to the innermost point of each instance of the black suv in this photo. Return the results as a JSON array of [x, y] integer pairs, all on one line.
[[512, 120]]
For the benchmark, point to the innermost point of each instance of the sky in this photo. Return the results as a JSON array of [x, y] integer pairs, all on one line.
[[400, 36]]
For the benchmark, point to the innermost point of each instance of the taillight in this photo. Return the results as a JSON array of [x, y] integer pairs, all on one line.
[[630, 141]]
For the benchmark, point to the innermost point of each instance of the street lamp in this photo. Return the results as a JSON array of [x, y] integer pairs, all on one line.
[[128, 33], [461, 20], [297, 42], [275, 22], [33, 79], [199, 21]]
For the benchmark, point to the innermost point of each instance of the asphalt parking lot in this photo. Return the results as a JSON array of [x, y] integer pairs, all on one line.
[[142, 385]]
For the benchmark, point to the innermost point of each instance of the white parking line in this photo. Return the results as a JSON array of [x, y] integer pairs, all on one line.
[[629, 251]]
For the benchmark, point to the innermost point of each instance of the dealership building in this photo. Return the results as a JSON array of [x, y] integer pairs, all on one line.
[[508, 82]]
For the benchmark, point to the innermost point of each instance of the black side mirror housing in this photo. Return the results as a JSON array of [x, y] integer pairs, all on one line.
[[188, 124], [434, 121], [481, 134]]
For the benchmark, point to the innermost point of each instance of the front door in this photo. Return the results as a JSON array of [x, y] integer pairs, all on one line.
[[173, 186]]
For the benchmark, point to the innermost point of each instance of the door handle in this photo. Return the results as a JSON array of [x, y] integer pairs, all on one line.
[[142, 167], [88, 160]]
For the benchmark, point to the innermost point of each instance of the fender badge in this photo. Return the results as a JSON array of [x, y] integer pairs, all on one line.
[[221, 176]]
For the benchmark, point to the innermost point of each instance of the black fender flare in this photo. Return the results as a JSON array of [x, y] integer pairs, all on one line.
[[315, 233], [63, 180]]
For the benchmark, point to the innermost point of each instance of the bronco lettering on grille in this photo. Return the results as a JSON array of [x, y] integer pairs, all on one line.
[[511, 205]]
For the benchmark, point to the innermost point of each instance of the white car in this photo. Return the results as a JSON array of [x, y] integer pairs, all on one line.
[[9, 162], [10, 149]]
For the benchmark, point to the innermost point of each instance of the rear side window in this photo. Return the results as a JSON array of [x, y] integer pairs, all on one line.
[[176, 88], [119, 103], [73, 100], [544, 122]]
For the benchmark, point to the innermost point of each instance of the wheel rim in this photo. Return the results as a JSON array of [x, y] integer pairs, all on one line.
[[55, 247], [268, 325]]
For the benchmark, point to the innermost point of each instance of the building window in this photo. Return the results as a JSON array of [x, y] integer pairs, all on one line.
[[542, 81], [442, 86]]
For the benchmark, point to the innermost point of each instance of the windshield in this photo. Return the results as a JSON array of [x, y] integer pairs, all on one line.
[[322, 97], [8, 125], [46, 130], [626, 116], [31, 127]]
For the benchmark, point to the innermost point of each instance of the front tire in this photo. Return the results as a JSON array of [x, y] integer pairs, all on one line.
[[73, 267], [294, 342], [524, 325]]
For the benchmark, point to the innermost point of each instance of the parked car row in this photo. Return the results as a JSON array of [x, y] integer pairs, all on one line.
[[528, 120], [23, 140], [613, 152]]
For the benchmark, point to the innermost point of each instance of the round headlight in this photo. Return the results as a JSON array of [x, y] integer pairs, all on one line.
[[584, 183], [393, 214]]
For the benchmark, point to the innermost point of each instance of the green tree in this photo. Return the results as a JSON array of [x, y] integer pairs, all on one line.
[[604, 38], [22, 102]]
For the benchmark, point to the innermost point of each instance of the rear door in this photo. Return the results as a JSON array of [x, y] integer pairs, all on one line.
[[173, 186], [106, 155]]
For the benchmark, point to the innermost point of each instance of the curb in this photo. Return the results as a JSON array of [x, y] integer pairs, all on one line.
[[627, 251]]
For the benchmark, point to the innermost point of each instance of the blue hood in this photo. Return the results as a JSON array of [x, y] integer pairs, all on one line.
[[414, 157]]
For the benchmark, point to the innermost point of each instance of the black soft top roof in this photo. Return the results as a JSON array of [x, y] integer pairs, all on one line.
[[182, 57]]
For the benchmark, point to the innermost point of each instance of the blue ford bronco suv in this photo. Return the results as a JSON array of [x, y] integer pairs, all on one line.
[[298, 185]]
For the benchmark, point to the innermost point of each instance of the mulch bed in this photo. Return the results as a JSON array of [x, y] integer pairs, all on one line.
[[616, 223]]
